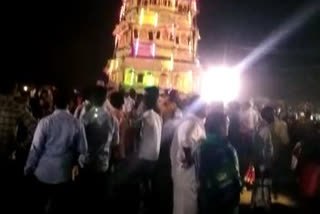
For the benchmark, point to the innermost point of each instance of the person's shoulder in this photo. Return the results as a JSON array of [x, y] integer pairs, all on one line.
[[15, 105], [45, 121]]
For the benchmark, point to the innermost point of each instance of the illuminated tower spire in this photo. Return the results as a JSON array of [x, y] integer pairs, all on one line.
[[156, 44]]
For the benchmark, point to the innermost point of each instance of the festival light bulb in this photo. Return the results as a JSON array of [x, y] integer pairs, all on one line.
[[171, 62], [156, 17], [141, 16], [136, 48], [194, 5], [153, 49]]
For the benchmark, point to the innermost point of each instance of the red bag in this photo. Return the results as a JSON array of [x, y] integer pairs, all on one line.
[[250, 176]]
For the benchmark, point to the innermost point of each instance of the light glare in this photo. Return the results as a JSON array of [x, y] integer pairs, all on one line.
[[220, 84]]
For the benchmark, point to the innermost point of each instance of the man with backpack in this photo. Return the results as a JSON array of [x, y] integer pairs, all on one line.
[[217, 169], [102, 132]]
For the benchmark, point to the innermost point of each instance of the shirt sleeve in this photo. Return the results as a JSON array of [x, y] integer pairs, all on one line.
[[82, 144], [115, 137], [188, 129], [193, 136], [37, 148], [236, 162]]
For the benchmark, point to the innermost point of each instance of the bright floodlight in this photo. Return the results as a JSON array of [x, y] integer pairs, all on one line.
[[25, 88], [220, 84]]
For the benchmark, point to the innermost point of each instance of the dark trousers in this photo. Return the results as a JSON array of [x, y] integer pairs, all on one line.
[[163, 188], [93, 192], [50, 198], [207, 206], [12, 186], [133, 185], [7, 184], [145, 175]]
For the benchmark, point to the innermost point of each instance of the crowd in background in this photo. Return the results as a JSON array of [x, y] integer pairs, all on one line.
[[114, 150]]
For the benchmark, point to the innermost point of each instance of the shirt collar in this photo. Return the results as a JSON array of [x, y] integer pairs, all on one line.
[[58, 111]]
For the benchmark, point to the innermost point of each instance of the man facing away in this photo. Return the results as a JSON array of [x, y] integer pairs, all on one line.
[[57, 144], [149, 144], [217, 169], [187, 138], [102, 132]]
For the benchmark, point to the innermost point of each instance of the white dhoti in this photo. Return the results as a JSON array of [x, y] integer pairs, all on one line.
[[189, 135], [185, 192]]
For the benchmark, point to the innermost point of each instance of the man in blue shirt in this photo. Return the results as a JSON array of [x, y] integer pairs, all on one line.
[[58, 141]]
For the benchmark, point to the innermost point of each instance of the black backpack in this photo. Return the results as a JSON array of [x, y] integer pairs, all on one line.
[[97, 137]]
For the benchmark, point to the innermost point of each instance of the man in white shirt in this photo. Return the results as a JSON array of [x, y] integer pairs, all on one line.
[[129, 101], [149, 142], [186, 139], [250, 117]]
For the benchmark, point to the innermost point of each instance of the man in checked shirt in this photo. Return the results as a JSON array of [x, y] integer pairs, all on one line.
[[12, 113]]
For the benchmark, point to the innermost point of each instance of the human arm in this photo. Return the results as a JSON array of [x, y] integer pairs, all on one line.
[[237, 165], [189, 144], [115, 135], [37, 148], [81, 141]]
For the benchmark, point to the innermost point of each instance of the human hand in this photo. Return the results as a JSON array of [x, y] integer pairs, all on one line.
[[75, 172]]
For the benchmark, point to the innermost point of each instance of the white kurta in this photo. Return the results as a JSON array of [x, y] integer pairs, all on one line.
[[188, 135]]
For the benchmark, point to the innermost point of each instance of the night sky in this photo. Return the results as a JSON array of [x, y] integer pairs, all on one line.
[[70, 42]]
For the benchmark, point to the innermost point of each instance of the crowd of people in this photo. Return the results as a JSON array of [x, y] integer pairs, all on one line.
[[108, 150]]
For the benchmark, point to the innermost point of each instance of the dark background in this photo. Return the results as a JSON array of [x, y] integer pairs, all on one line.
[[70, 41]]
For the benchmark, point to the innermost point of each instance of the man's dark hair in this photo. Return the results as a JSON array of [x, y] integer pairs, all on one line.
[[308, 115], [133, 93], [117, 100], [215, 121], [62, 98], [174, 96], [267, 113], [98, 96], [151, 97]]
